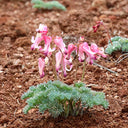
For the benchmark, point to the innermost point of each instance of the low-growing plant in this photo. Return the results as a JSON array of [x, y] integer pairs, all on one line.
[[57, 97], [118, 44], [60, 99], [47, 5]]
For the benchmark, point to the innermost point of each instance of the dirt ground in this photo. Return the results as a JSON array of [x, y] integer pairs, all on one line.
[[19, 69]]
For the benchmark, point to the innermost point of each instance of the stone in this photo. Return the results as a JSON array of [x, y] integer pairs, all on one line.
[[123, 92], [119, 70], [99, 4]]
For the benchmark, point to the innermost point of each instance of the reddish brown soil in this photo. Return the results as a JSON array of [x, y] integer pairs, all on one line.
[[19, 70]]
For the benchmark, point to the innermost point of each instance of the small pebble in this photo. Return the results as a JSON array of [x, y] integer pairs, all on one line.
[[119, 70]]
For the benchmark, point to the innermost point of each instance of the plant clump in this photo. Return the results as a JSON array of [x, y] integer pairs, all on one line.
[[59, 99], [118, 43], [48, 5]]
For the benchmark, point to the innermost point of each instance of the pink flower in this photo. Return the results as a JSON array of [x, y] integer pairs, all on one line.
[[98, 23], [85, 49], [65, 63], [47, 49], [71, 48], [81, 38], [62, 61], [36, 41], [58, 60], [41, 65], [59, 43], [97, 50], [81, 52], [91, 52], [42, 29]]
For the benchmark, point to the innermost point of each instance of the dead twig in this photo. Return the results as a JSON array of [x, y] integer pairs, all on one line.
[[125, 55], [104, 67]]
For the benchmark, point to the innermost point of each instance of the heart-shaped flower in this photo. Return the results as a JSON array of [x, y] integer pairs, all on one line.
[[41, 65]]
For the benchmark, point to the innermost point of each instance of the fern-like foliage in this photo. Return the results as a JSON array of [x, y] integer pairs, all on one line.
[[118, 43], [47, 5], [60, 99]]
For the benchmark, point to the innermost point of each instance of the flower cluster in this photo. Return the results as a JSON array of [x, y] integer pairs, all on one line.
[[91, 52], [62, 53], [98, 23]]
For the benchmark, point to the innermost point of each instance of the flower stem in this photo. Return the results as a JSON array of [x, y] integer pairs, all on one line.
[[109, 37], [76, 70], [53, 65], [83, 70]]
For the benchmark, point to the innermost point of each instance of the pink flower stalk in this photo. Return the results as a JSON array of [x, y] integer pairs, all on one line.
[[91, 52], [41, 65], [94, 48], [58, 60], [84, 48], [42, 29], [60, 44], [47, 51], [65, 63], [62, 61], [81, 53], [98, 23], [36, 41], [71, 48], [81, 38]]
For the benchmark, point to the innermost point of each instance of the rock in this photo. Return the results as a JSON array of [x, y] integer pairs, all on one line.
[[79, 72], [114, 69], [18, 55], [125, 109], [32, 110], [4, 119], [19, 86], [102, 17], [119, 70], [115, 106], [123, 92], [1, 68], [95, 18], [50, 72], [97, 88], [7, 40], [99, 4], [20, 49], [19, 111], [3, 20], [115, 13], [69, 81], [17, 61]]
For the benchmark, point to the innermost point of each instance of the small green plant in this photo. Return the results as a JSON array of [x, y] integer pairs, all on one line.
[[118, 43], [47, 5], [59, 99]]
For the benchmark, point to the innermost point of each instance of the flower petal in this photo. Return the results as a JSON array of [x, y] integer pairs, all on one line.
[[59, 43], [71, 48], [42, 29], [41, 65], [58, 60]]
